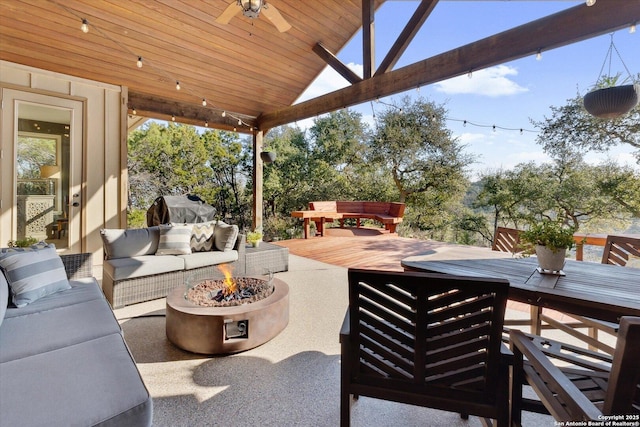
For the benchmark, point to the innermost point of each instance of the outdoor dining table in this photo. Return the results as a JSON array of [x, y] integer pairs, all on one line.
[[600, 291]]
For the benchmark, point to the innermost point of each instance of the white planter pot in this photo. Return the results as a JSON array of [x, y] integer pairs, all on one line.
[[549, 260]]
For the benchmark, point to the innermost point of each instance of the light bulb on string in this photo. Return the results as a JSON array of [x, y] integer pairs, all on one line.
[[139, 62], [224, 114], [173, 118], [470, 74], [206, 124], [134, 111], [204, 102], [239, 122], [632, 28], [177, 85], [539, 55], [590, 2], [85, 26]]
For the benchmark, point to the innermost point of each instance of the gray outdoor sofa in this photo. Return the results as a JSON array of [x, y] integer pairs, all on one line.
[[63, 359], [147, 263]]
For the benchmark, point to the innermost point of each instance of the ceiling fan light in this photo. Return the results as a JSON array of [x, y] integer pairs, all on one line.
[[251, 8]]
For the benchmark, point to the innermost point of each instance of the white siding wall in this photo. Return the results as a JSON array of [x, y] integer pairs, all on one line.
[[104, 169]]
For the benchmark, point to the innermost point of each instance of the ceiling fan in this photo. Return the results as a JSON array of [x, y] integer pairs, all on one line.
[[252, 9]]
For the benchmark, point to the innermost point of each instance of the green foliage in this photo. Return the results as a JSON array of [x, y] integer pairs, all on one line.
[[22, 243], [136, 218], [552, 234], [571, 129]]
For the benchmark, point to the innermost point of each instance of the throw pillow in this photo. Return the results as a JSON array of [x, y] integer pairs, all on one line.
[[174, 240], [202, 236], [33, 272], [4, 296], [225, 236], [119, 243]]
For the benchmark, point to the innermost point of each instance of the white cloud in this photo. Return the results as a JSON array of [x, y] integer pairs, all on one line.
[[493, 82]]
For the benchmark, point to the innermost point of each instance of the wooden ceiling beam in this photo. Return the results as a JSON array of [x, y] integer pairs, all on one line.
[[368, 37], [159, 108], [557, 30], [336, 64], [421, 14]]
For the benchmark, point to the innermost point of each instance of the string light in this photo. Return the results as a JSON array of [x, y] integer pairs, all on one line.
[[470, 74], [539, 55], [632, 28], [204, 102], [590, 2], [224, 114], [206, 124], [85, 26], [139, 62], [239, 122], [173, 117], [134, 111], [177, 85]]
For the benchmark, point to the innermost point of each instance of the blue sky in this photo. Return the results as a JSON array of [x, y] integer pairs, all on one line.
[[508, 95]]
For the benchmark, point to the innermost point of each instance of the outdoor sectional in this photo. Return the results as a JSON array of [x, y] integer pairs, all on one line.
[[147, 263], [63, 359]]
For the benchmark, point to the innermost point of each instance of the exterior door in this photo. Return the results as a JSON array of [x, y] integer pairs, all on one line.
[[41, 189]]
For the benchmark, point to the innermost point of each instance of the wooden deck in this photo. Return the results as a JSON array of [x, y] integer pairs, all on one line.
[[374, 248]]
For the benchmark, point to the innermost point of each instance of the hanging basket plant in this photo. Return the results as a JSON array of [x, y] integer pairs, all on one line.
[[268, 156], [607, 100], [612, 102]]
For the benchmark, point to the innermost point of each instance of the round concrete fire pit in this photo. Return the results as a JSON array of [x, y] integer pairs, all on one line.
[[222, 330]]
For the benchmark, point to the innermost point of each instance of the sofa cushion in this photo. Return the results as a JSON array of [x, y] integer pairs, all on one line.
[[95, 382], [118, 243], [82, 290], [33, 272], [202, 236], [225, 236], [4, 296], [205, 259], [49, 330], [139, 266], [174, 240]]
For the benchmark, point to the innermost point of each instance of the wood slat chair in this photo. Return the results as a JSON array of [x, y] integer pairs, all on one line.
[[426, 339], [582, 385], [618, 250], [507, 240]]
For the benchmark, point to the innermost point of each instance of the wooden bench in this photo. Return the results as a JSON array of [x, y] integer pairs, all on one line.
[[388, 213]]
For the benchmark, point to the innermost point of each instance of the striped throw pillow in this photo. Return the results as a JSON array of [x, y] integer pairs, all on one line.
[[202, 236], [33, 272], [174, 240]]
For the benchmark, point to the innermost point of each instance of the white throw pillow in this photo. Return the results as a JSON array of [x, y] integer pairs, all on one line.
[[225, 236], [174, 240]]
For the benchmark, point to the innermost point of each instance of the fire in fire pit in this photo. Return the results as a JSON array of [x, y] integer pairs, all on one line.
[[230, 291]]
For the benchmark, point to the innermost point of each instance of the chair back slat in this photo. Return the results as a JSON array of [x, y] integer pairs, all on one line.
[[427, 332], [623, 394], [618, 249], [506, 240]]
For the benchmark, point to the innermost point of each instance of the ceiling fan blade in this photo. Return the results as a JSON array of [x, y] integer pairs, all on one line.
[[231, 11], [275, 17]]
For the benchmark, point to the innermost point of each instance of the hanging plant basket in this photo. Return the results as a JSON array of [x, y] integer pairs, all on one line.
[[268, 156], [612, 102]]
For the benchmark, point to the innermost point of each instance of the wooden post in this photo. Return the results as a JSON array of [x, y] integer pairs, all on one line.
[[257, 179]]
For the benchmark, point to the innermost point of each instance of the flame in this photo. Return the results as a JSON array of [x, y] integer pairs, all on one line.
[[230, 284]]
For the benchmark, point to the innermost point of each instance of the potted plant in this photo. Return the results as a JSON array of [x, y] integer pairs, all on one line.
[[551, 239], [254, 238], [22, 243]]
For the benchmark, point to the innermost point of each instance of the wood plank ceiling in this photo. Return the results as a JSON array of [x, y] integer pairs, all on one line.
[[247, 68]]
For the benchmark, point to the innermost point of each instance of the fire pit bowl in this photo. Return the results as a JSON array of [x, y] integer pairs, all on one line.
[[228, 329]]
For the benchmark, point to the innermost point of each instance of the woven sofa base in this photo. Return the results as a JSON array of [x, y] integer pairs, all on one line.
[[132, 291]]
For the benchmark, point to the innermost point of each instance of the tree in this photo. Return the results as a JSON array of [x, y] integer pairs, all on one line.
[[427, 165], [572, 128]]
